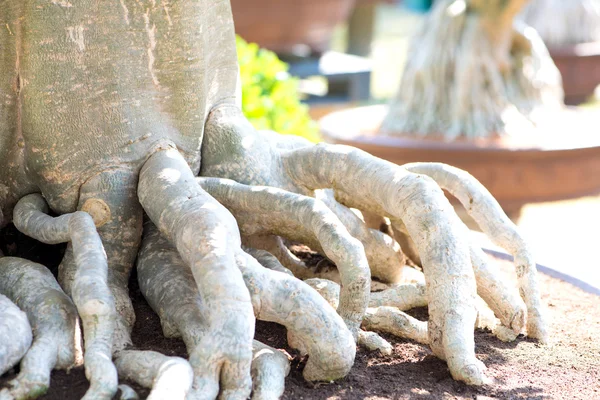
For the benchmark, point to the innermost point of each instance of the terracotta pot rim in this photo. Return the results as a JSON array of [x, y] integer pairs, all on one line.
[[351, 131]]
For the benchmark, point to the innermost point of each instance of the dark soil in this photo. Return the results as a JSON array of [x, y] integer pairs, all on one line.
[[569, 368]]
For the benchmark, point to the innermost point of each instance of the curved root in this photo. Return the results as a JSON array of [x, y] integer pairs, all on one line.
[[169, 377], [269, 369], [90, 291], [312, 327], [206, 236], [276, 297], [380, 316], [383, 253], [168, 285], [365, 182], [54, 320], [488, 214], [15, 334], [270, 211]]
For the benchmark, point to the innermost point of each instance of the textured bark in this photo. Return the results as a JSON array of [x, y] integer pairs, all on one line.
[[489, 79]]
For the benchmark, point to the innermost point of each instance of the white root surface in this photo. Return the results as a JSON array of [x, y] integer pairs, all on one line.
[[561, 23], [384, 313], [383, 253], [364, 182], [318, 330], [489, 79], [270, 211], [372, 341], [269, 369], [90, 291], [488, 214], [15, 334], [168, 285], [54, 320], [170, 378], [206, 236]]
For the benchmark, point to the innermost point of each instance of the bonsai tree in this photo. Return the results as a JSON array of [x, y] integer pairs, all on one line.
[[562, 23], [473, 73], [116, 112]]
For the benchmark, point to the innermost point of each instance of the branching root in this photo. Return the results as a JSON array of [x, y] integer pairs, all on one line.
[[90, 291], [54, 320]]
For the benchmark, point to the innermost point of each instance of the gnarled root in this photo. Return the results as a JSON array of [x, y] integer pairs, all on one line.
[[270, 211], [384, 313], [276, 297], [365, 182], [54, 320], [488, 214], [169, 377], [383, 253], [90, 291], [206, 236], [168, 285], [15, 334]]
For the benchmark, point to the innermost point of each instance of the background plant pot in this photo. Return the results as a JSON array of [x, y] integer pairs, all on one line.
[[560, 161], [288, 26], [579, 66]]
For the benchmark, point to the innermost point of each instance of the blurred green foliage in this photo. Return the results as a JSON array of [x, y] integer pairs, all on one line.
[[270, 97]]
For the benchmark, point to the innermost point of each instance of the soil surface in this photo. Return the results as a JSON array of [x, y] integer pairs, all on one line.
[[568, 368]]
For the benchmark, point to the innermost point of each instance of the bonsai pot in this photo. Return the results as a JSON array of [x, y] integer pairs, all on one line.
[[558, 160], [290, 27], [579, 66]]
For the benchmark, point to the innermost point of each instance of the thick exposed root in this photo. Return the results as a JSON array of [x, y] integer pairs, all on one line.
[[15, 334], [169, 377], [488, 214], [270, 211], [372, 341], [383, 252], [380, 316], [206, 236], [167, 285], [90, 291], [54, 320], [268, 260], [365, 182], [391, 320]]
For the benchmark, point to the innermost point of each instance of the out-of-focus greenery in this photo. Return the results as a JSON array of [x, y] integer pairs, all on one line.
[[270, 95]]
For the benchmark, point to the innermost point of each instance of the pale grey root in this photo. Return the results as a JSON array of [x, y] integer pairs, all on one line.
[[206, 237], [562, 23], [168, 285], [54, 320], [15, 334], [271, 211], [90, 291], [489, 79], [170, 378], [488, 214], [269, 369]]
